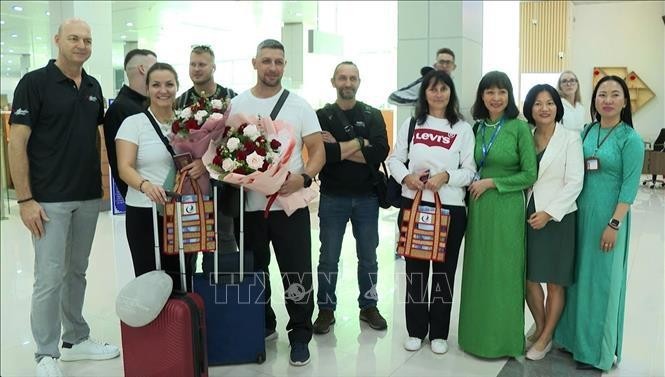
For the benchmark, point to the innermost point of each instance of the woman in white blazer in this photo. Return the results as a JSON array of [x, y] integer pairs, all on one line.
[[550, 214]]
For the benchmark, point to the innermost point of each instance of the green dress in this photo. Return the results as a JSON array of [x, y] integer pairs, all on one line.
[[591, 325], [491, 322]]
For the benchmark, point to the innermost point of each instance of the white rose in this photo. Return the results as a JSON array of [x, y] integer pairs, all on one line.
[[255, 161], [186, 113], [200, 115], [217, 104], [251, 131], [228, 164], [232, 143], [216, 116]]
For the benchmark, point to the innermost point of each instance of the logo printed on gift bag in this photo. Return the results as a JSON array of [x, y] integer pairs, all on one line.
[[189, 209]]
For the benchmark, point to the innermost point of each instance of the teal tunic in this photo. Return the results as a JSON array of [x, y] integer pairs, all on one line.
[[491, 322], [591, 326]]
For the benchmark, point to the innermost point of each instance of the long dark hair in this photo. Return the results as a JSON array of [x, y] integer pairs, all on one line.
[[490, 80], [530, 99], [626, 112], [435, 77]]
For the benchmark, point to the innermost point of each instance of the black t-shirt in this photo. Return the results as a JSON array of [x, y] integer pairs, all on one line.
[[190, 96], [127, 103], [344, 177], [62, 149]]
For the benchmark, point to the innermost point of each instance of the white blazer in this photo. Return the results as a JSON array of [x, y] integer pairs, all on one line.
[[560, 174]]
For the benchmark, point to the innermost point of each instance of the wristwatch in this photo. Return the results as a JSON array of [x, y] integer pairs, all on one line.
[[307, 180], [614, 224]]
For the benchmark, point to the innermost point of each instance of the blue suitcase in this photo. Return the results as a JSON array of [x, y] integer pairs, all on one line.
[[234, 309]]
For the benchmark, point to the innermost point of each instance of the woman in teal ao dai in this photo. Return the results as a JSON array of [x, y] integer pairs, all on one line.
[[491, 320], [591, 327]]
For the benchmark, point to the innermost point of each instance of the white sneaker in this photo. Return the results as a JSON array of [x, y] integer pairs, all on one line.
[[48, 367], [439, 346], [89, 349], [413, 344]]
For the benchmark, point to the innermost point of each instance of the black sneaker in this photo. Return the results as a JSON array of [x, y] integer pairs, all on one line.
[[323, 321], [373, 318], [299, 354]]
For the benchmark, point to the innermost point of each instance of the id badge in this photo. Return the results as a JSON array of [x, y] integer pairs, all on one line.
[[592, 164], [476, 177]]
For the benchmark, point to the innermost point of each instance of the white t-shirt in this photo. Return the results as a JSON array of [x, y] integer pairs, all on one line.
[[296, 112], [437, 147], [574, 117], [153, 160]]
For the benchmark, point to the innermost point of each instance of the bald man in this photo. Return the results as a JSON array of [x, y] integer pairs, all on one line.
[[130, 100], [55, 166]]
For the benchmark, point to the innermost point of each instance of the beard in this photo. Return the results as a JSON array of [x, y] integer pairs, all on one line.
[[346, 93], [271, 84]]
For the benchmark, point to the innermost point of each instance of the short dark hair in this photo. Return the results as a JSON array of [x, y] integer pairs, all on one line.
[[530, 99], [494, 79], [434, 77], [137, 52], [269, 43], [346, 62], [203, 49], [626, 112], [161, 67], [445, 50]]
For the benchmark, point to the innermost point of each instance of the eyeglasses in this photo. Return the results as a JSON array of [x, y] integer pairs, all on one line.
[[446, 62], [569, 81]]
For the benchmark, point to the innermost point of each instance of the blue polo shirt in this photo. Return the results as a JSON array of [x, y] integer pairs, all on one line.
[[62, 149]]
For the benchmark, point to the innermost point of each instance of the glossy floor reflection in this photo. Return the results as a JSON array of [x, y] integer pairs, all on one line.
[[351, 348]]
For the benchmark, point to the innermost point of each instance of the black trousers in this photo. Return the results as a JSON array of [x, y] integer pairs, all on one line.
[[291, 241], [140, 235], [430, 311]]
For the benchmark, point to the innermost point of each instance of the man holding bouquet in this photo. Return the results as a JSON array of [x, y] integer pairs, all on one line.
[[290, 235], [201, 71], [356, 142]]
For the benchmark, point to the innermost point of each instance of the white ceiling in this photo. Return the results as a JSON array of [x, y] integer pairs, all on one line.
[[26, 31]]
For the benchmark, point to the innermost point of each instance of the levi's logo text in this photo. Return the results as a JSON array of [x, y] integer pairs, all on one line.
[[434, 138]]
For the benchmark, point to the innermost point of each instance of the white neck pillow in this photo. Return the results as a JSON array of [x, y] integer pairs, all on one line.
[[142, 299]]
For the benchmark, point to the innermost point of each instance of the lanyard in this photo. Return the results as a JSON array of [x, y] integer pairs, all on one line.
[[486, 147], [600, 143]]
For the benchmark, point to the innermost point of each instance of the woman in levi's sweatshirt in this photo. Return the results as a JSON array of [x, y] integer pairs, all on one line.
[[438, 158]]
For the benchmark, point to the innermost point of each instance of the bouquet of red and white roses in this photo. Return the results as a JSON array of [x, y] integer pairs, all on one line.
[[254, 153], [196, 126]]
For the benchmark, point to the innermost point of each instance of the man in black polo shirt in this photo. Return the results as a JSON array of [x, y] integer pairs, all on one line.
[[130, 100], [356, 142], [201, 70], [55, 165]]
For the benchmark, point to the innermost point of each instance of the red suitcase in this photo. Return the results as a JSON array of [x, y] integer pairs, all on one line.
[[174, 344]]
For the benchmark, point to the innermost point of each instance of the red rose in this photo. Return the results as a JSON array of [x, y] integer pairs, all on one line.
[[264, 167], [261, 140], [227, 129], [191, 124], [241, 156], [239, 170], [217, 160], [274, 144], [249, 146], [261, 151], [241, 128], [175, 127]]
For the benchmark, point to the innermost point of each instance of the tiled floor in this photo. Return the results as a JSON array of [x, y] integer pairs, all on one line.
[[351, 348]]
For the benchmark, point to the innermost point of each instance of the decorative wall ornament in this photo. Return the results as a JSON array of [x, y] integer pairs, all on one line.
[[640, 93]]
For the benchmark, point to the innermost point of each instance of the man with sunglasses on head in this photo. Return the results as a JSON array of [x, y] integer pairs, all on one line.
[[408, 95], [201, 72]]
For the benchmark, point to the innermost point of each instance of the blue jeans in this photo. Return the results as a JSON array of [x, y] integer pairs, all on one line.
[[334, 213]]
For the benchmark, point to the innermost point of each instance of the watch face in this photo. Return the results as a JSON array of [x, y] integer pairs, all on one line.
[[615, 222]]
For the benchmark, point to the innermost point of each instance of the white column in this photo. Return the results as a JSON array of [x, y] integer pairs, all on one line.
[[426, 26]]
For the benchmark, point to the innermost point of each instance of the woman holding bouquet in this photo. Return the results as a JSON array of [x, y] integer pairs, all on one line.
[[145, 163], [440, 161]]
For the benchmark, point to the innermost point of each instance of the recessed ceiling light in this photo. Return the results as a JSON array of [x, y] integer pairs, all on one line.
[[38, 38], [2, 22], [123, 37], [2, 43], [10, 50], [17, 8], [48, 13], [14, 35], [298, 14], [129, 24], [9, 62], [8, 68]]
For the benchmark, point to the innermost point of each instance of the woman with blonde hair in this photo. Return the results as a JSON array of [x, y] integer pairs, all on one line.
[[574, 116]]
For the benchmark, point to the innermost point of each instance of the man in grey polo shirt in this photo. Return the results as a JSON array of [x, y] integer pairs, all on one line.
[[55, 166]]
